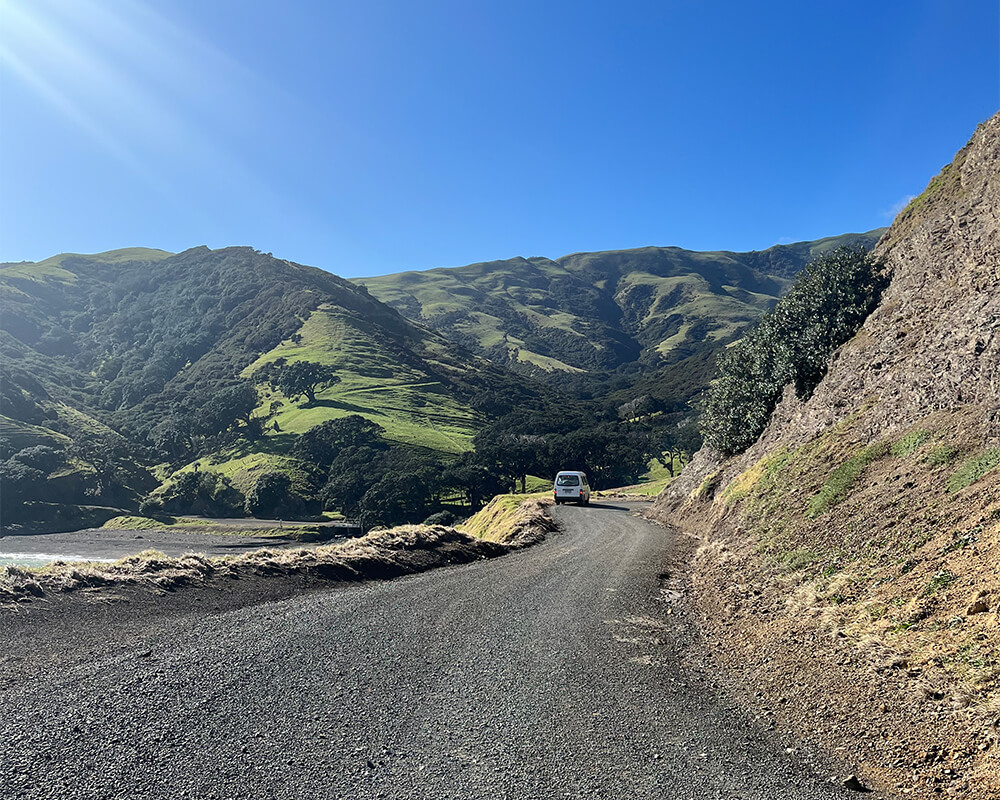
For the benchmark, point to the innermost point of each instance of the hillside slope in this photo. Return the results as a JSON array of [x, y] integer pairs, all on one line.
[[125, 351], [598, 312], [872, 512]]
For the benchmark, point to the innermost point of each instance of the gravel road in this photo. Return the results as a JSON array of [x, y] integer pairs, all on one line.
[[564, 670]]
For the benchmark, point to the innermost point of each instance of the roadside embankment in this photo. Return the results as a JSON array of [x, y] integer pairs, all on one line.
[[848, 579], [408, 549], [870, 628], [514, 520]]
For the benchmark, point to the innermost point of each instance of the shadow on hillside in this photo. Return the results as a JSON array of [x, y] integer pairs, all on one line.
[[339, 404]]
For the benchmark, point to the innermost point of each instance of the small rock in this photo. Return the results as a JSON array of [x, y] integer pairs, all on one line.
[[851, 782]]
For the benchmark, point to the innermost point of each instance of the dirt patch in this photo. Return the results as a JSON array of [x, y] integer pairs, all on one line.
[[850, 588], [910, 727]]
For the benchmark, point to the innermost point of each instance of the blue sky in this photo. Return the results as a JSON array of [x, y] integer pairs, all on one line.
[[372, 137]]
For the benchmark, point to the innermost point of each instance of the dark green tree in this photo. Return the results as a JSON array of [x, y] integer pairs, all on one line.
[[228, 408], [296, 378], [272, 496], [829, 302], [353, 471], [321, 444], [394, 500], [197, 492], [19, 483], [173, 437], [511, 454], [474, 480]]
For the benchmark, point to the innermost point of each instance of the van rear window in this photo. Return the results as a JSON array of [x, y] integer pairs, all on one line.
[[568, 480]]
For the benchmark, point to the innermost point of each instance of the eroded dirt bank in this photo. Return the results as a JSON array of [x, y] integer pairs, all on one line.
[[908, 725]]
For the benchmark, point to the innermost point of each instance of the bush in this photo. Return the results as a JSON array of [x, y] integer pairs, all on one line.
[[827, 305], [151, 506], [272, 496], [446, 518], [202, 493]]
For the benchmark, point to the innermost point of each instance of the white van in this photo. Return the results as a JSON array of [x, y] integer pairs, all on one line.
[[571, 487]]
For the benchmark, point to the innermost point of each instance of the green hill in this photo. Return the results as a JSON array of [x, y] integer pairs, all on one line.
[[594, 313], [140, 375], [121, 361]]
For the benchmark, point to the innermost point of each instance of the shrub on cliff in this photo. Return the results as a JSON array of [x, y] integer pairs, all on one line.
[[827, 305]]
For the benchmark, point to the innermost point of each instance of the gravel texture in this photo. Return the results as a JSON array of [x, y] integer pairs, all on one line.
[[569, 669]]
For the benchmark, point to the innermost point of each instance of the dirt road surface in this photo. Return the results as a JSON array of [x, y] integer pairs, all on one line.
[[568, 669]]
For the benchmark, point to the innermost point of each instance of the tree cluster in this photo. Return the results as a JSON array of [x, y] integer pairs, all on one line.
[[827, 305], [357, 472]]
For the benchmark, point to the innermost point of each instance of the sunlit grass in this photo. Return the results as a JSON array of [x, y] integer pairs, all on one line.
[[413, 409]]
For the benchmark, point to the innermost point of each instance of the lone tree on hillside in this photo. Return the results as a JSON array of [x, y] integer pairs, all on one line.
[[297, 378]]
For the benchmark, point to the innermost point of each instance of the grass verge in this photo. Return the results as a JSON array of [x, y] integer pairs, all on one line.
[[515, 520]]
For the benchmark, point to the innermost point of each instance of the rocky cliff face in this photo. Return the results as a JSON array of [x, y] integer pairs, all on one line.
[[872, 512], [933, 344]]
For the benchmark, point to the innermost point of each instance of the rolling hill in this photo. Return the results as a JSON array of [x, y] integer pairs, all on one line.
[[590, 314], [124, 371], [116, 356]]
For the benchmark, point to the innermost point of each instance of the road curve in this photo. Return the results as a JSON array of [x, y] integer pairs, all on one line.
[[559, 671]]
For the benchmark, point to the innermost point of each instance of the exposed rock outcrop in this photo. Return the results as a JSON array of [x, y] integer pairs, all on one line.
[[851, 554], [933, 344]]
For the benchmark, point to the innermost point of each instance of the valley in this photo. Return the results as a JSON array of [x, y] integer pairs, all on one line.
[[141, 374], [514, 401], [141, 387]]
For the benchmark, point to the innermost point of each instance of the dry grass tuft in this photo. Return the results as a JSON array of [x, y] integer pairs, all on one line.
[[380, 554], [512, 520]]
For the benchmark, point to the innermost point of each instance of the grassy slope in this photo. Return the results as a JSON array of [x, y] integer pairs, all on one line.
[[515, 519], [863, 574], [505, 310], [593, 311], [51, 269], [65, 317], [412, 406]]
